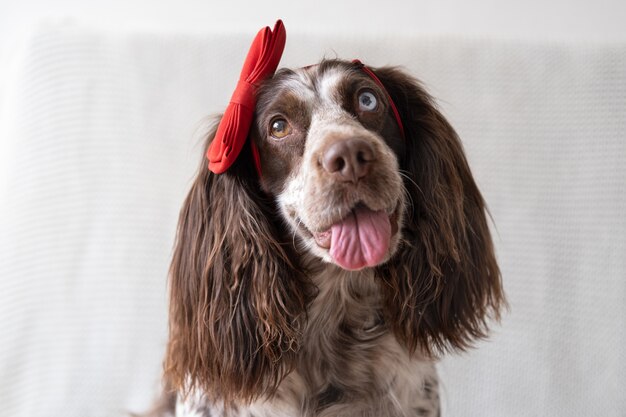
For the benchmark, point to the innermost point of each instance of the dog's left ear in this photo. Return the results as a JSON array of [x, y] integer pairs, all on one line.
[[444, 282]]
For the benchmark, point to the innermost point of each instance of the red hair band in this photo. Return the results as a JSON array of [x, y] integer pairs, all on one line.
[[261, 63], [373, 76]]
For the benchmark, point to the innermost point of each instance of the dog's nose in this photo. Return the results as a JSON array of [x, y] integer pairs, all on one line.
[[348, 160]]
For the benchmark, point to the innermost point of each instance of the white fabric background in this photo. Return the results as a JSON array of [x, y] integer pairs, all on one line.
[[102, 136]]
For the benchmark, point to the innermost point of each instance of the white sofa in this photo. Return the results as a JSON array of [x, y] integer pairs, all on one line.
[[101, 131]]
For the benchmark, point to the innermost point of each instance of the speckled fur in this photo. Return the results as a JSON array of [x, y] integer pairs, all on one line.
[[351, 364]]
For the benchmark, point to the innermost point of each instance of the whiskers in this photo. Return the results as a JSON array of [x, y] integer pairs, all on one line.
[[406, 192], [295, 232]]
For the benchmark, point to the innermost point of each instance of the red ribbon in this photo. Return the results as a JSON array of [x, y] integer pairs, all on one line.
[[233, 130]]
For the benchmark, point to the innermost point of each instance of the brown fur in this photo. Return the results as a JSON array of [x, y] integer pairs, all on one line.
[[444, 282], [240, 291], [237, 294]]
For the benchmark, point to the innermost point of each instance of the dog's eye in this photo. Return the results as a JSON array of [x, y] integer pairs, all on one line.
[[367, 101], [279, 128]]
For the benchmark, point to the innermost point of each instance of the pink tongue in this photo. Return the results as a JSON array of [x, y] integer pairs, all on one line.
[[361, 239]]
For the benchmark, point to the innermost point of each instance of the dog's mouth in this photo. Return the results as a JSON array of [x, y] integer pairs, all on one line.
[[361, 239]]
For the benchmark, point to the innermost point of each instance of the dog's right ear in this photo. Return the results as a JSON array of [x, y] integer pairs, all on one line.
[[236, 298], [444, 284]]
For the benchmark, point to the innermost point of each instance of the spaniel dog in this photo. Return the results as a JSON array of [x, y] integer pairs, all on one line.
[[330, 284]]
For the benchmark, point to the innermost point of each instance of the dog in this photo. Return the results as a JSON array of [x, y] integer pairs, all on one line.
[[344, 251]]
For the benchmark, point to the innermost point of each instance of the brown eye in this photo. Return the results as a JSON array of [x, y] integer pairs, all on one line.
[[279, 128]]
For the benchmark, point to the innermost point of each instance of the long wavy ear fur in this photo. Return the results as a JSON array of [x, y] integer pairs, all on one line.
[[236, 300], [444, 283]]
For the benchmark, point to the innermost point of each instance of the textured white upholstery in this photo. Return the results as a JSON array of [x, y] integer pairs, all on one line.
[[103, 144]]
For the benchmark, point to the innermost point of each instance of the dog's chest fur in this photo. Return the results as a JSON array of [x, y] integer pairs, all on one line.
[[350, 363]]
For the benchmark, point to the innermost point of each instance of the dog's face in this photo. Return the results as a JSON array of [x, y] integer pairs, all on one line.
[[329, 147]]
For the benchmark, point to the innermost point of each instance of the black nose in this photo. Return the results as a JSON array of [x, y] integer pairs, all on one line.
[[348, 160]]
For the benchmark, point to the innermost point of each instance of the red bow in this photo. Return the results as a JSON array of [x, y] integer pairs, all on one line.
[[232, 132]]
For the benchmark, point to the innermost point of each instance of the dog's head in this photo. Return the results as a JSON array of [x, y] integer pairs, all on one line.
[[330, 149], [343, 185]]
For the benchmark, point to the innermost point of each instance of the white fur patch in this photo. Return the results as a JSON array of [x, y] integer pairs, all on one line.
[[327, 86]]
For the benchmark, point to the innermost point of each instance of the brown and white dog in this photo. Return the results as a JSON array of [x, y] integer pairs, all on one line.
[[330, 285]]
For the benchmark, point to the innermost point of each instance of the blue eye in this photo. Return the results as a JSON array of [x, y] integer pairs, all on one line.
[[367, 101]]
